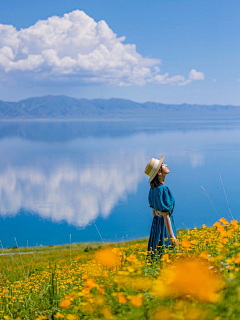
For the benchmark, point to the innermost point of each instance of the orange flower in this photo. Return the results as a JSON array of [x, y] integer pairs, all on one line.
[[234, 222], [222, 231], [90, 283], [224, 221], [101, 290], [65, 303], [107, 258], [186, 243], [189, 277], [84, 277], [237, 259], [224, 241], [217, 224], [136, 301], [120, 296]]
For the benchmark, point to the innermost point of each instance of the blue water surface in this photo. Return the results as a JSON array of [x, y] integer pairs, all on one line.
[[79, 177]]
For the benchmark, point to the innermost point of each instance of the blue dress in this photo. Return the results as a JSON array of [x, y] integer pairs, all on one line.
[[161, 199]]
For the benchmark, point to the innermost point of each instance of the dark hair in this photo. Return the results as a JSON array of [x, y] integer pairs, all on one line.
[[155, 182]]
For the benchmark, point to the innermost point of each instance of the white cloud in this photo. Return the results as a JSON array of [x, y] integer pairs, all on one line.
[[195, 75], [214, 80], [76, 47], [164, 79], [177, 80]]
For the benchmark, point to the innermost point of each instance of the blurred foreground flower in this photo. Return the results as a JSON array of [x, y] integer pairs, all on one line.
[[136, 301], [65, 303], [107, 258], [193, 278]]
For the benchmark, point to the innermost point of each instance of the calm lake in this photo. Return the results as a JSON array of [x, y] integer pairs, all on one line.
[[87, 177]]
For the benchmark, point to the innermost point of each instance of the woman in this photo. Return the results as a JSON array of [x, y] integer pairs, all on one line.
[[161, 200]]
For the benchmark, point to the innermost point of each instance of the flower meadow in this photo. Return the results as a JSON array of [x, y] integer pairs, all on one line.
[[197, 279]]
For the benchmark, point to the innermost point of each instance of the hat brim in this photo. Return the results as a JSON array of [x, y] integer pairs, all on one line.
[[156, 171]]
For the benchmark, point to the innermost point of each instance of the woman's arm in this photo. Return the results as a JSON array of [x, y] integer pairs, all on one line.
[[168, 225]]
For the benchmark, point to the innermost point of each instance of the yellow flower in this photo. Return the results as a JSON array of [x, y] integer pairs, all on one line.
[[107, 313], [194, 242], [193, 313], [65, 303], [72, 317], [99, 299], [165, 256], [236, 244], [192, 277], [163, 313], [58, 315], [88, 308], [137, 283], [131, 269], [231, 268]]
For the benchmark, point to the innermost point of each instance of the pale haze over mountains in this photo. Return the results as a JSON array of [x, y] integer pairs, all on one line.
[[63, 107]]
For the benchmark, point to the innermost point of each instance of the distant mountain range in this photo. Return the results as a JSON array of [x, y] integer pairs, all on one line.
[[63, 107]]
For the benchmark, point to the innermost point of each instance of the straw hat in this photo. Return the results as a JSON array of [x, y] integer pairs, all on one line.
[[152, 167]]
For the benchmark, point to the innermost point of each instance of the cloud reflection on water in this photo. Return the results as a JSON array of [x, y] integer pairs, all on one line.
[[75, 193]]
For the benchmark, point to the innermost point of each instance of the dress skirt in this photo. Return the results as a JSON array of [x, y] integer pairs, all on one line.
[[159, 238]]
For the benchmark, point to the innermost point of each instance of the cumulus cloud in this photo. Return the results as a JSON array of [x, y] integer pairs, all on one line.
[[76, 47], [178, 80], [195, 75]]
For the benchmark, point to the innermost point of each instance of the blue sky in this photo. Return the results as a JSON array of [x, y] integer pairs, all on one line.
[[183, 51]]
